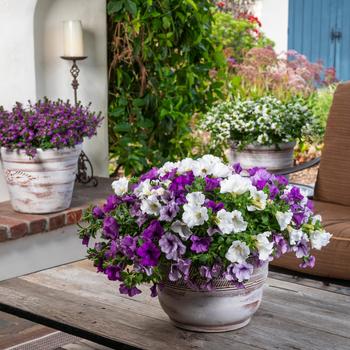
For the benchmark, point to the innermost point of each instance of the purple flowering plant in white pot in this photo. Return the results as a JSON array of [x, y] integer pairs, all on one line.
[[40, 145], [200, 234]]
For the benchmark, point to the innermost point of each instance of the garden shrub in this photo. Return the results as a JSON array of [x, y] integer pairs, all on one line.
[[238, 35], [164, 68]]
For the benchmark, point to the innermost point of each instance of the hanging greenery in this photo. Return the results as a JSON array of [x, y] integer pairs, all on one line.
[[163, 69]]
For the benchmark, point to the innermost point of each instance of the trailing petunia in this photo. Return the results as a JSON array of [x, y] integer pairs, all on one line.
[[198, 220]]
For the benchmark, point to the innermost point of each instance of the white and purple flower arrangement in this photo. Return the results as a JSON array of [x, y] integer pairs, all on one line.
[[202, 219]]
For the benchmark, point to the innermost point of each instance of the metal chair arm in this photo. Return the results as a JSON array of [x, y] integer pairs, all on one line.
[[297, 168]]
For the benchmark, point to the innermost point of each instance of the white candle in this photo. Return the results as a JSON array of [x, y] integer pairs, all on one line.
[[73, 39]]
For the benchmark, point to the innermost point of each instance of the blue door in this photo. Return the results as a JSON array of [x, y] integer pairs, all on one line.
[[320, 29]]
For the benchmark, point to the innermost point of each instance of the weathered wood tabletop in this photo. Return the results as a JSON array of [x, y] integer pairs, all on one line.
[[74, 299]]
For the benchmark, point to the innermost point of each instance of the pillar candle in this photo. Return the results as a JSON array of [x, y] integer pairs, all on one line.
[[73, 39]]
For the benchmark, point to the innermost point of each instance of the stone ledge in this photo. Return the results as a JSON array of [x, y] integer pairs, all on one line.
[[14, 225]]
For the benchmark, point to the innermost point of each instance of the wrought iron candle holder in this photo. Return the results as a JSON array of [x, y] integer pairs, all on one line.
[[83, 175]]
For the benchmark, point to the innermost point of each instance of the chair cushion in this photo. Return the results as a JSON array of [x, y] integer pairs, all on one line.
[[333, 260], [333, 181]]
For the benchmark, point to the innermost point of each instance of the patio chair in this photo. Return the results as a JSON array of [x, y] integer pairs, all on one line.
[[332, 193]]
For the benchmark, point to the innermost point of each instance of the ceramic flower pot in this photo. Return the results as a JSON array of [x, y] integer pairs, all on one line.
[[269, 157], [43, 183], [223, 309]]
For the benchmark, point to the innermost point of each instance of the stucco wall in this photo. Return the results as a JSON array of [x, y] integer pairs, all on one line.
[[31, 67], [274, 17]]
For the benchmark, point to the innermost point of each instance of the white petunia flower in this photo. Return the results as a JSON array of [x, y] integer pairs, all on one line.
[[185, 165], [221, 170], [231, 222], [264, 246], [144, 189], [284, 219], [235, 184], [258, 200], [151, 205], [120, 186], [181, 229], [167, 167], [195, 198], [319, 239], [194, 215], [295, 236], [316, 218], [238, 252]]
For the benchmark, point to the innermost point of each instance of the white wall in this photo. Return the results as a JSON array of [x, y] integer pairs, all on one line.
[[30, 64], [274, 17]]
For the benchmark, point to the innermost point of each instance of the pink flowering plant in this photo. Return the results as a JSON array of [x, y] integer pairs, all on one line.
[[46, 124], [198, 220]]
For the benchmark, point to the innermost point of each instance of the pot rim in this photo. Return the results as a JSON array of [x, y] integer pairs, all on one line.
[[275, 147], [40, 150]]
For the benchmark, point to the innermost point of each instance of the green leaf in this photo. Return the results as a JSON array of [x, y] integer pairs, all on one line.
[[114, 6], [131, 7]]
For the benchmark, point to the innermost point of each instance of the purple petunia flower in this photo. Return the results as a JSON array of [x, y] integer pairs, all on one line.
[[98, 213], [151, 174], [128, 246], [281, 245], [308, 262], [85, 240], [172, 246], [112, 251], [110, 227], [242, 271], [237, 168], [123, 289], [301, 249], [274, 191], [181, 269], [112, 202], [113, 272], [154, 230], [211, 183], [215, 207], [200, 244], [149, 253], [169, 211], [179, 184]]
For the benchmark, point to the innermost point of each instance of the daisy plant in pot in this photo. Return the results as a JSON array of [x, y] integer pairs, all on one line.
[[40, 145], [200, 234]]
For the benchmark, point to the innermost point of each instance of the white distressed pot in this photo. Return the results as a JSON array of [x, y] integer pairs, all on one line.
[[43, 183], [269, 157], [224, 309]]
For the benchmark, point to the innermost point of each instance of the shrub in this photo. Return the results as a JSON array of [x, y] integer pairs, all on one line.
[[46, 124], [238, 35], [161, 59], [263, 72]]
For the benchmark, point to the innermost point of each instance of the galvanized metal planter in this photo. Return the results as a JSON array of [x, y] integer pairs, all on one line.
[[42, 184], [224, 309], [269, 157]]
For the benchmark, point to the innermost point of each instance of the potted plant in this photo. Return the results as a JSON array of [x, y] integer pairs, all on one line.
[[40, 145], [260, 132], [201, 234]]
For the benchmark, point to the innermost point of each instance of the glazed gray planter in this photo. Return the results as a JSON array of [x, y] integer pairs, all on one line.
[[43, 183], [225, 308], [269, 157]]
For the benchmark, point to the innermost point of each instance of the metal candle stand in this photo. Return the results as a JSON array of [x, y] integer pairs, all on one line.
[[84, 162]]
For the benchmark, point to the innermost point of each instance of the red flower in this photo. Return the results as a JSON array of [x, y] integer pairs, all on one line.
[[221, 4]]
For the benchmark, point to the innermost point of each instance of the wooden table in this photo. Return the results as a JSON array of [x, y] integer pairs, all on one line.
[[76, 300]]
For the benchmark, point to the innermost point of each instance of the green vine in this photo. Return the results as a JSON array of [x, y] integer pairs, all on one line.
[[163, 70]]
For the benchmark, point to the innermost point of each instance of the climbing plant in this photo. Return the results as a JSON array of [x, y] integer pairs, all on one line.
[[163, 70]]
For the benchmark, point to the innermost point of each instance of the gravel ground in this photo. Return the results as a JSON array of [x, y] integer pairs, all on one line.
[[306, 177]]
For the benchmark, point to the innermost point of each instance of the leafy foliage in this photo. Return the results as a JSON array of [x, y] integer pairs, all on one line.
[[238, 35], [161, 56]]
